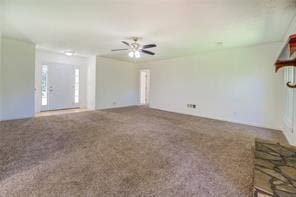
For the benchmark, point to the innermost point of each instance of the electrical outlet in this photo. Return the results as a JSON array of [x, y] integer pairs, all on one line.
[[193, 106]]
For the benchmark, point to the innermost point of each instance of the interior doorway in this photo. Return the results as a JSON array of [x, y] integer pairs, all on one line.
[[144, 86], [59, 87]]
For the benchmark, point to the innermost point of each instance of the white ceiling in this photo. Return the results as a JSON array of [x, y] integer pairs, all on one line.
[[178, 27]]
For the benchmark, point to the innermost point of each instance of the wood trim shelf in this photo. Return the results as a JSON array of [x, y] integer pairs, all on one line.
[[290, 62], [292, 44], [284, 63]]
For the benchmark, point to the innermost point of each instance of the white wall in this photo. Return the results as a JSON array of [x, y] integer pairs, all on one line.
[[1, 82], [1, 78], [91, 83], [117, 83], [47, 57], [17, 78], [237, 85]]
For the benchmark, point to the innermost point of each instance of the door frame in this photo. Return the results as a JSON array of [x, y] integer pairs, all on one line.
[[147, 86]]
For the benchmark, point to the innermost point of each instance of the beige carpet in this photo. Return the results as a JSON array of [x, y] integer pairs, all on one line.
[[127, 152]]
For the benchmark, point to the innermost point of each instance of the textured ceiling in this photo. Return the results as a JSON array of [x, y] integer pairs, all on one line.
[[178, 27]]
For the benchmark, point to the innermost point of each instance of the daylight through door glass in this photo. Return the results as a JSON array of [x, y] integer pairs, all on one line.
[[76, 93], [44, 82]]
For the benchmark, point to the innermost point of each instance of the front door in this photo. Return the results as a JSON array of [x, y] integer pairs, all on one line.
[[61, 87]]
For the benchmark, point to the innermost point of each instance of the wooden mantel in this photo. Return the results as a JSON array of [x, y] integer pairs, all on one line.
[[284, 63], [291, 46]]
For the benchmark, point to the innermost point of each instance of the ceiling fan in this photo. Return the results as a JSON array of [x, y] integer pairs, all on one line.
[[135, 48]]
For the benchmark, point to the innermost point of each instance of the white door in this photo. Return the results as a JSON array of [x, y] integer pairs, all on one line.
[[144, 86], [61, 87]]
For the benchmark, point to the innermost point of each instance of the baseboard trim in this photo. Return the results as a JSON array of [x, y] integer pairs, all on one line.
[[17, 118], [114, 107], [287, 132], [221, 119]]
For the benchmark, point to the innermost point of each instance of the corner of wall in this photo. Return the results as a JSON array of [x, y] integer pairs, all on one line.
[[91, 83], [116, 83], [291, 30], [1, 90], [21, 106]]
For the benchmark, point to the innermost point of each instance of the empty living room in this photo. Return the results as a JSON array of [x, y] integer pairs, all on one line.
[[147, 98]]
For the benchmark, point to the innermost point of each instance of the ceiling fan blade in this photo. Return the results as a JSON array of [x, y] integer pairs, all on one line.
[[148, 46], [125, 43], [119, 49], [147, 52]]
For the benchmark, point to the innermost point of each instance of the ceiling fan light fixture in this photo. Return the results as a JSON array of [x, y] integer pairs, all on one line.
[[131, 54], [137, 54], [69, 52], [135, 49]]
